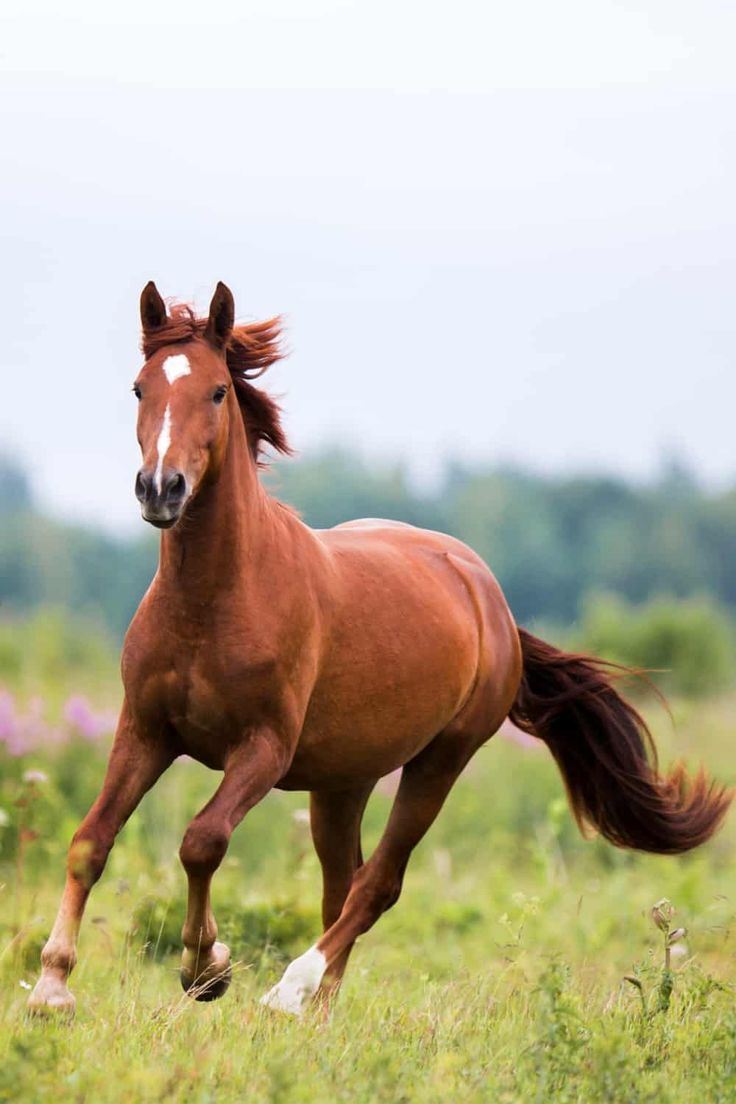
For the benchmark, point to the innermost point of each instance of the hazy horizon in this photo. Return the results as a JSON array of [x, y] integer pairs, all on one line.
[[501, 236]]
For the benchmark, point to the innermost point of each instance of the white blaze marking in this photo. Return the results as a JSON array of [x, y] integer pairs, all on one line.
[[176, 366], [300, 982], [162, 444]]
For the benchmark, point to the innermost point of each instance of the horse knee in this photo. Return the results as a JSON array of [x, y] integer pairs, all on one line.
[[87, 855], [388, 895], [203, 848]]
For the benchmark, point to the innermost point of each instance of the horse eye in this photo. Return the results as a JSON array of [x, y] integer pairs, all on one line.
[[136, 391], [219, 395]]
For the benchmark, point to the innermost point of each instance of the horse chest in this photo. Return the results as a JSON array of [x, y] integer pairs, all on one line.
[[197, 706], [197, 711]]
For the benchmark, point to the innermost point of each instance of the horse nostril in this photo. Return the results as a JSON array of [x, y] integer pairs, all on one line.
[[142, 485], [176, 485]]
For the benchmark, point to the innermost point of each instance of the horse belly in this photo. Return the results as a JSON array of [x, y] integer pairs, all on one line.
[[381, 703]]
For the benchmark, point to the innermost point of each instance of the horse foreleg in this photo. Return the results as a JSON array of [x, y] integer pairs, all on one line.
[[134, 766], [251, 771], [376, 885], [335, 820]]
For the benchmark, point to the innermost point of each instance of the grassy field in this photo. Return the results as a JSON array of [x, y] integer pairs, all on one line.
[[498, 976]]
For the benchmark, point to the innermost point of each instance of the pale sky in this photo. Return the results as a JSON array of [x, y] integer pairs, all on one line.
[[500, 232]]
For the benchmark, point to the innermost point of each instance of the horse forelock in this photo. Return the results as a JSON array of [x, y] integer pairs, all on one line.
[[250, 351]]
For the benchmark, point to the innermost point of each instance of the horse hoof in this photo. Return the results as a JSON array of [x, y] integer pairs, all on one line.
[[213, 981], [204, 990], [51, 998], [301, 980]]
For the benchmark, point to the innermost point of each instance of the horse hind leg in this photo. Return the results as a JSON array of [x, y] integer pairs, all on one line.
[[335, 821], [375, 886]]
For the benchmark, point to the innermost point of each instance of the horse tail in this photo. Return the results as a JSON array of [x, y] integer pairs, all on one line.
[[607, 756]]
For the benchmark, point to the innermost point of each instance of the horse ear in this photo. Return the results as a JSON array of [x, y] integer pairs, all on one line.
[[153, 308], [222, 316]]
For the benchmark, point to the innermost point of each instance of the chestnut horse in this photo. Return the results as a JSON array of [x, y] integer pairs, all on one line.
[[321, 661]]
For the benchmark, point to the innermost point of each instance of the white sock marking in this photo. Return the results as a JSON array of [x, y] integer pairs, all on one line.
[[162, 444], [176, 366], [300, 982]]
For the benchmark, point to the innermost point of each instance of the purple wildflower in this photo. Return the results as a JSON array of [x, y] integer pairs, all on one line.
[[79, 714], [516, 736], [14, 734]]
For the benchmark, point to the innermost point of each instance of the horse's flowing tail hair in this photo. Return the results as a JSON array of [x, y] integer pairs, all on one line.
[[607, 756]]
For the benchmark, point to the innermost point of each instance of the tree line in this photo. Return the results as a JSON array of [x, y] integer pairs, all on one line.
[[552, 541]]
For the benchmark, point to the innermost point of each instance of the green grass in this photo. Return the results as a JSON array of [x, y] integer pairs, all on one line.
[[497, 977]]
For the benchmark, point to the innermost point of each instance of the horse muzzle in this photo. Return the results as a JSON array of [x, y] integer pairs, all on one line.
[[162, 496]]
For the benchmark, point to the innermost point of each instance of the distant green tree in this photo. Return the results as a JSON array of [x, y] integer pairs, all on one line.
[[551, 541], [15, 487], [686, 644], [337, 485], [51, 647], [45, 562]]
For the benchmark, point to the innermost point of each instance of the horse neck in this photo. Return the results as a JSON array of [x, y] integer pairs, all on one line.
[[224, 528]]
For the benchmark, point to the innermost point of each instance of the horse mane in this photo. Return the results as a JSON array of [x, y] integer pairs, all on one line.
[[251, 349]]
